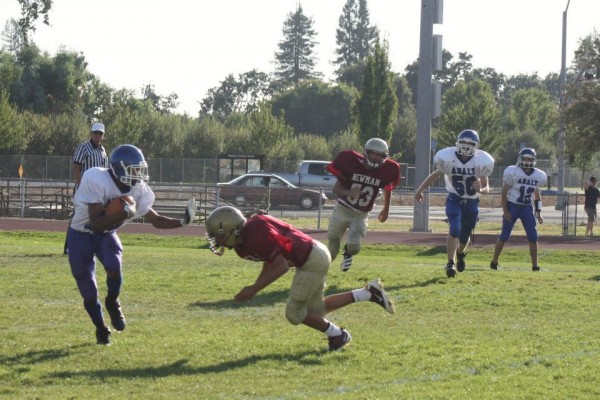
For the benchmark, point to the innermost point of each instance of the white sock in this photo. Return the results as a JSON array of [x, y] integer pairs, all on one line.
[[333, 330], [361, 295]]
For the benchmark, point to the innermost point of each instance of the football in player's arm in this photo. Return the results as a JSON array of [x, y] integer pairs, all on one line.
[[92, 233]]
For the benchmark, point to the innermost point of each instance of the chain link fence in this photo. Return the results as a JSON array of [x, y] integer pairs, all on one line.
[[199, 170], [45, 199], [189, 170]]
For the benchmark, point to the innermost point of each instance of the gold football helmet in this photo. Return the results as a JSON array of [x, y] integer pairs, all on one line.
[[223, 227], [377, 146]]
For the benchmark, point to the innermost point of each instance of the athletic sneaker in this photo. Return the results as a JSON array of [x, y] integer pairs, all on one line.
[[346, 260], [117, 319], [103, 335], [379, 296], [460, 261], [536, 268], [494, 265], [450, 269], [339, 341]]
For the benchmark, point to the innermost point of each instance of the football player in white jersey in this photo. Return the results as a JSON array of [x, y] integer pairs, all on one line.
[[465, 169], [520, 197], [93, 233]]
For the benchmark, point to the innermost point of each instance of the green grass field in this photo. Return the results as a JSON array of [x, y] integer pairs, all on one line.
[[510, 334]]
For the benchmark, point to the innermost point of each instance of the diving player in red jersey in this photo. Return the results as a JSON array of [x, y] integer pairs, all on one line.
[[360, 177], [280, 246]]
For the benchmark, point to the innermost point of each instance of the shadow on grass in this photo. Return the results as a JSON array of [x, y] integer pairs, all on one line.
[[433, 251], [266, 299], [180, 368], [260, 300], [432, 281], [269, 299], [44, 255], [595, 278], [35, 357]]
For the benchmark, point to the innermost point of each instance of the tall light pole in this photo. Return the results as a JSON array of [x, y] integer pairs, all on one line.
[[423, 142], [561, 129], [431, 12]]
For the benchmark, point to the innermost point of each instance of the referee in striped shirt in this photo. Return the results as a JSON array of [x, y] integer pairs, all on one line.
[[87, 155], [90, 153]]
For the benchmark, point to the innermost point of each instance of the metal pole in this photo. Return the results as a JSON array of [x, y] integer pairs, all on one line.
[[562, 128], [423, 145], [22, 194]]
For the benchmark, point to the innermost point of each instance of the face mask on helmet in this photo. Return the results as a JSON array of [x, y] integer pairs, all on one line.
[[223, 227], [376, 152], [128, 164], [527, 158], [467, 143]]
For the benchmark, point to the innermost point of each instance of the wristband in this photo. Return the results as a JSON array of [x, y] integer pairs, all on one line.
[[538, 205]]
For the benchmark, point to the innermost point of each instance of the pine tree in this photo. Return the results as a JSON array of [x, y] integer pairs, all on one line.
[[295, 60], [12, 37], [375, 110], [355, 36]]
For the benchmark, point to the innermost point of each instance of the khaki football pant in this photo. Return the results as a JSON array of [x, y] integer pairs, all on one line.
[[308, 285]]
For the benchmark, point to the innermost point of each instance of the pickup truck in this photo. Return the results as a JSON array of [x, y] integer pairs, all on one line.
[[310, 173]]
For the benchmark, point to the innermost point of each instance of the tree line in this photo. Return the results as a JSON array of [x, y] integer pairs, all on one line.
[[48, 101]]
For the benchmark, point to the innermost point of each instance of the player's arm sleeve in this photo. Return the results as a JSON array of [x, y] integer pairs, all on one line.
[[90, 191], [335, 168], [507, 176], [488, 166], [543, 180], [437, 163], [390, 186]]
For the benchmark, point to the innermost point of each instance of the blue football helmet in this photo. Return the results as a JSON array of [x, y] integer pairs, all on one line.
[[527, 158], [467, 142], [128, 164]]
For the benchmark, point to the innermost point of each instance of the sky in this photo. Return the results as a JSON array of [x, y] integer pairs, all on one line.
[[188, 47]]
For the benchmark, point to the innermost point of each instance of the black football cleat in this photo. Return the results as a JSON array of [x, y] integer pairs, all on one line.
[[494, 265], [339, 341], [346, 260], [103, 335], [460, 261], [450, 269], [117, 319]]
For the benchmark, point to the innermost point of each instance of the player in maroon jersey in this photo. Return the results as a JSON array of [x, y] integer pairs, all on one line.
[[360, 177], [280, 246]]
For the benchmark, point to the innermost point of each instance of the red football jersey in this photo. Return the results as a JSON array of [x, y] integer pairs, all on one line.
[[265, 237], [350, 170]]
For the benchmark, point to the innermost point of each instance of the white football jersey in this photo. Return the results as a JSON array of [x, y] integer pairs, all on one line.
[[97, 186], [459, 176], [522, 185]]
